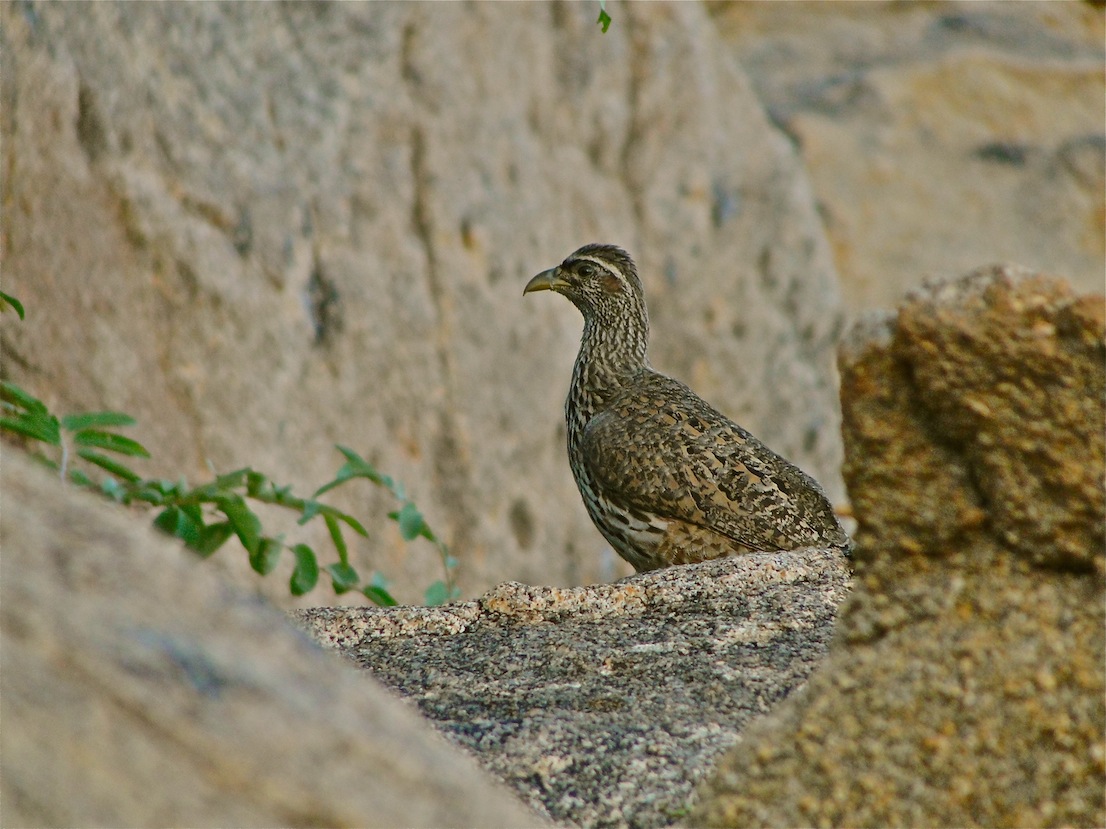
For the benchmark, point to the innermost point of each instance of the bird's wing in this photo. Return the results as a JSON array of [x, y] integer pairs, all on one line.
[[661, 449]]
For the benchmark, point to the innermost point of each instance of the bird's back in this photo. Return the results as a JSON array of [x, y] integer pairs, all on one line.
[[669, 473]]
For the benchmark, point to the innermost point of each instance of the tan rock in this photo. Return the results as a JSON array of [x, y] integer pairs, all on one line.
[[940, 135], [264, 230], [1008, 368], [967, 685], [138, 690]]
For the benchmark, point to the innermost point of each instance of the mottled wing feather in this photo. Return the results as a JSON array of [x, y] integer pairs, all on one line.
[[660, 449]]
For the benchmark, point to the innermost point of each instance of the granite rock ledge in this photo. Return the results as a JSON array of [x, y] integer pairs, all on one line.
[[605, 705]]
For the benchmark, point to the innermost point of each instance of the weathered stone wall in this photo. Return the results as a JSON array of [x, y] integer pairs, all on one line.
[[266, 229]]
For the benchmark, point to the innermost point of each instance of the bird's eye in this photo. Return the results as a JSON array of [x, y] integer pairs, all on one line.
[[587, 271]]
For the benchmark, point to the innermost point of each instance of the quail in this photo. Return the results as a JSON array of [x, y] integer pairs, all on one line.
[[666, 478]]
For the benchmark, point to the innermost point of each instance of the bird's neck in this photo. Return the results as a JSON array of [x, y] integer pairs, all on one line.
[[612, 353]]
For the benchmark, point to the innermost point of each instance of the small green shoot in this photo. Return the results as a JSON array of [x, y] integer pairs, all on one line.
[[604, 18]]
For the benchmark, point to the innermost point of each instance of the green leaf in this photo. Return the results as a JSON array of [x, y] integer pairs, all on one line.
[[167, 520], [354, 467], [80, 479], [264, 558], [212, 537], [111, 488], [231, 480], [112, 466], [110, 441], [169, 489], [311, 508], [8, 301], [604, 18], [411, 524], [436, 594], [144, 492], [343, 577], [329, 486], [176, 522], [89, 420], [377, 591], [207, 492], [306, 574], [356, 462], [336, 536], [37, 425], [243, 520], [24, 400], [380, 596], [353, 523], [255, 481]]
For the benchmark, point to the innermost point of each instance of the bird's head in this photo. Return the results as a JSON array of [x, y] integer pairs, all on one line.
[[600, 280]]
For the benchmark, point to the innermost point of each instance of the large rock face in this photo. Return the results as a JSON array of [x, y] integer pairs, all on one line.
[[966, 686], [939, 135], [266, 229], [138, 690]]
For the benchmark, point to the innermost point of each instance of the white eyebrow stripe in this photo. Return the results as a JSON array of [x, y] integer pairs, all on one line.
[[607, 266]]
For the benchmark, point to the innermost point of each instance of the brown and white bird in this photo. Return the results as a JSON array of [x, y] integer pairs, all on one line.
[[666, 478]]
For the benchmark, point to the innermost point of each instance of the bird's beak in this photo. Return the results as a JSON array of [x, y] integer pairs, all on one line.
[[544, 281]]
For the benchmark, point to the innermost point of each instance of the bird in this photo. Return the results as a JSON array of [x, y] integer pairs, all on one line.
[[666, 478]]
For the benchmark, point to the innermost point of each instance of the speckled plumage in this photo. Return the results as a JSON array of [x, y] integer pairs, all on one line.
[[665, 477]]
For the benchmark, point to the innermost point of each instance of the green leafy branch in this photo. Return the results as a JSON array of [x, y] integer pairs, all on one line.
[[411, 523], [205, 517]]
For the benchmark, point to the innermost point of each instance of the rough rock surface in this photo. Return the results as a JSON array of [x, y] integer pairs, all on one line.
[[138, 690], [264, 229], [939, 135], [967, 684], [605, 705], [1002, 375]]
